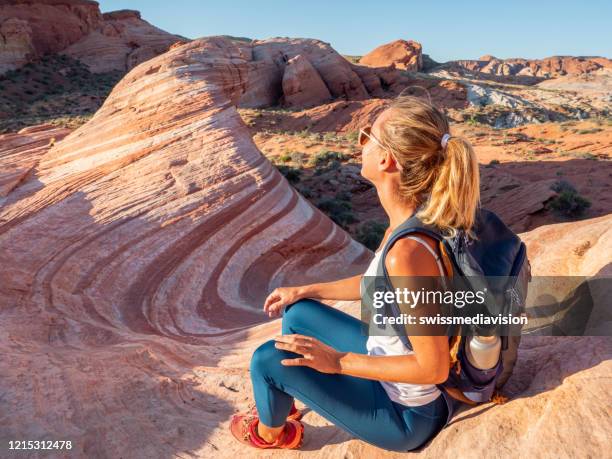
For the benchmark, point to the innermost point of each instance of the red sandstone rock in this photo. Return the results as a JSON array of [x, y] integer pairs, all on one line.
[[302, 84], [269, 59], [113, 41], [21, 151], [16, 47], [50, 26], [136, 248], [513, 199], [123, 41], [404, 55]]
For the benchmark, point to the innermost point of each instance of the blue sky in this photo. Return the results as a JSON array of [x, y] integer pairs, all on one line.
[[446, 29]]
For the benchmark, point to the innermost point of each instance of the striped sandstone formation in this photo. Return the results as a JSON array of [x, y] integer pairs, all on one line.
[[20, 152], [140, 247]]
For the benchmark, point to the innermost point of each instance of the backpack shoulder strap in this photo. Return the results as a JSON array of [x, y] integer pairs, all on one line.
[[448, 264]]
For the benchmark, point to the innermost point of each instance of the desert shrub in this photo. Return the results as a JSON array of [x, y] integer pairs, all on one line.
[[325, 161], [305, 191], [339, 210], [568, 202], [589, 131], [562, 185], [292, 174], [587, 155], [371, 234], [343, 196], [494, 162], [330, 136], [285, 157], [352, 136], [297, 157], [472, 121]]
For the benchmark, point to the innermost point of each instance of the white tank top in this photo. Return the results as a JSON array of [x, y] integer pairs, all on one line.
[[403, 393]]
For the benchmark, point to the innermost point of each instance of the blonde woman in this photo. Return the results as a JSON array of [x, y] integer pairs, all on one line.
[[374, 387]]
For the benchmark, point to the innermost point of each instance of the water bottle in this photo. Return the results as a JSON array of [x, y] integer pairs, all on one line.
[[483, 352]]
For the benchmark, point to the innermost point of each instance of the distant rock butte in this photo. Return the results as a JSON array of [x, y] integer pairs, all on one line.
[[302, 84], [318, 63], [403, 54], [111, 41], [302, 72]]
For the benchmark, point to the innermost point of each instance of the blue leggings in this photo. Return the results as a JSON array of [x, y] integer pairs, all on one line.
[[358, 405]]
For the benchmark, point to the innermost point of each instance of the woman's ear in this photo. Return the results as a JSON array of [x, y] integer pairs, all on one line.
[[386, 161]]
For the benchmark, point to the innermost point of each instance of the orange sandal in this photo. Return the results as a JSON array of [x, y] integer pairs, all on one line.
[[244, 429], [294, 413]]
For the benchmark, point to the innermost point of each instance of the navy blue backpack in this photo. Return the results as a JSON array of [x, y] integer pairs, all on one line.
[[495, 258]]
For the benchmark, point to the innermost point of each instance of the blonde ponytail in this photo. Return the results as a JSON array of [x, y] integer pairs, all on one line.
[[455, 194], [439, 173]]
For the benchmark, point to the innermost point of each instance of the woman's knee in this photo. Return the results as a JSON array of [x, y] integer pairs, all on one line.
[[295, 313], [266, 360], [262, 356]]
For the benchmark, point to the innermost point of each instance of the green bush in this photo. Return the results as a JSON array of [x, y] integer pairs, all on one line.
[[305, 191], [325, 161], [589, 131], [568, 202], [588, 155], [339, 210], [343, 196], [330, 136], [285, 157], [292, 174], [297, 157], [371, 234], [352, 136]]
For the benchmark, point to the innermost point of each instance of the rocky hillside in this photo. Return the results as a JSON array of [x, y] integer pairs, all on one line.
[[59, 59], [550, 67]]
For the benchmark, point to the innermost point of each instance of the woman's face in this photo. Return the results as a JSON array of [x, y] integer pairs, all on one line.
[[374, 161]]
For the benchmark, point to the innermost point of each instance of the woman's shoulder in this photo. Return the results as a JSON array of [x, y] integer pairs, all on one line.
[[409, 256]]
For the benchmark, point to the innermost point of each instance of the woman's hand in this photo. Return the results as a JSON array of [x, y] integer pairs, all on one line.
[[315, 354], [281, 297]]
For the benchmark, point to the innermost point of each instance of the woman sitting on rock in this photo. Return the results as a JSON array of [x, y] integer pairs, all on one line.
[[374, 387]]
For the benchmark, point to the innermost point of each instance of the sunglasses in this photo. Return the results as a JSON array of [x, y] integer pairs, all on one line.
[[365, 135]]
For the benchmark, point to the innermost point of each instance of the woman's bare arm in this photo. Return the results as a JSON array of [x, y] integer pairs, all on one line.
[[343, 289], [430, 362]]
